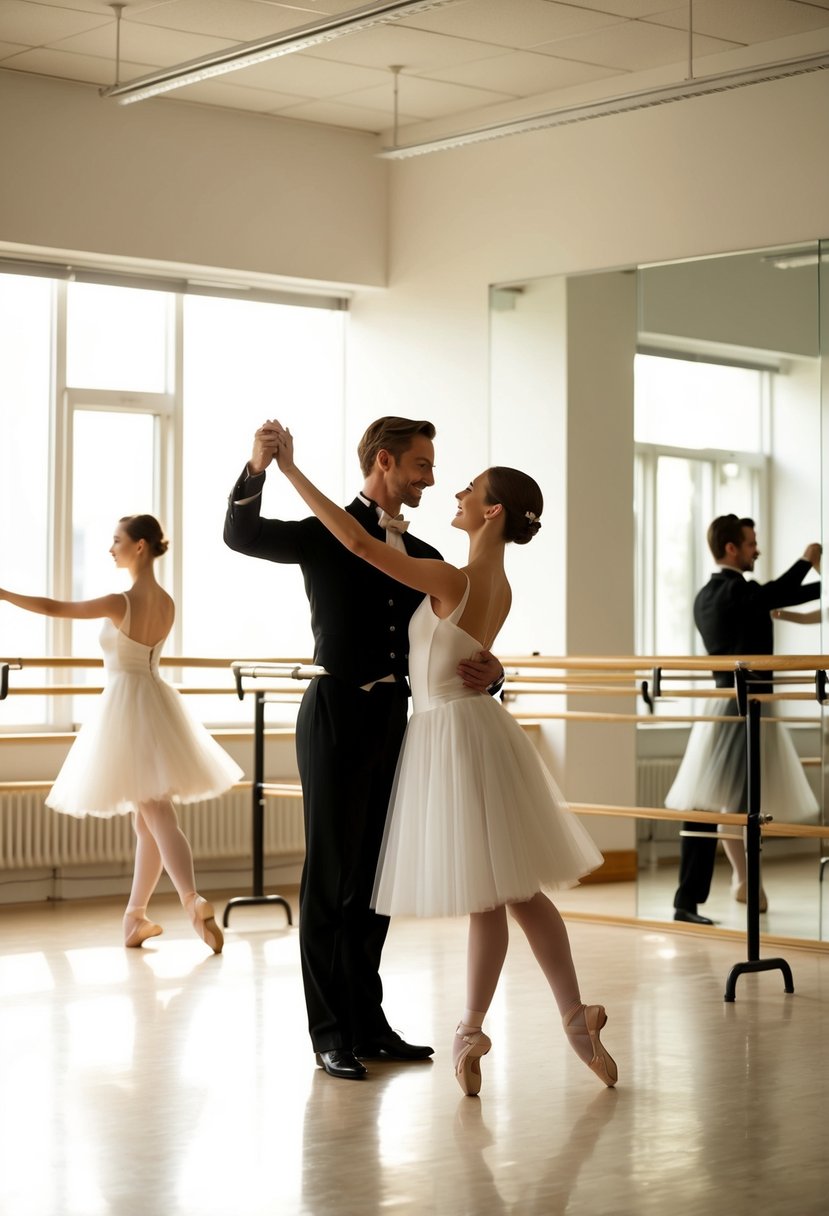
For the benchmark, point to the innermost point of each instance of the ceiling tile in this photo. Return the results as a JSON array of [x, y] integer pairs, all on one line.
[[10, 48], [630, 8], [425, 98], [333, 114], [522, 73], [747, 21], [518, 24], [635, 46], [417, 50], [238, 20], [34, 24], [143, 42], [98, 7], [233, 97], [312, 10], [85, 68], [307, 76]]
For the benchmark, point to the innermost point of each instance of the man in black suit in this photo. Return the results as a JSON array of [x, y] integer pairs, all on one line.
[[733, 616], [350, 728]]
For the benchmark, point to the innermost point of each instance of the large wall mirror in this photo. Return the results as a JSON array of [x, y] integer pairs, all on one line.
[[729, 358]]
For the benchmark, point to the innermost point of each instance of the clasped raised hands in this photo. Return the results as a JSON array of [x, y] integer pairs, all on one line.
[[813, 554], [271, 442]]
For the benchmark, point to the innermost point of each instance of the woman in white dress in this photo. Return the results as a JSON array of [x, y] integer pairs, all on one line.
[[141, 748], [476, 824]]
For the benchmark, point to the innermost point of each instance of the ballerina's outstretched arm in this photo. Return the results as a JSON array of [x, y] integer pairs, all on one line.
[[443, 582], [111, 606]]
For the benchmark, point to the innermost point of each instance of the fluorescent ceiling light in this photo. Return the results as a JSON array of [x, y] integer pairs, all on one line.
[[697, 87], [300, 38]]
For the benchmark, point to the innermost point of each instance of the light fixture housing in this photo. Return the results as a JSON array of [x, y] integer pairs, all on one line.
[[700, 86], [246, 54]]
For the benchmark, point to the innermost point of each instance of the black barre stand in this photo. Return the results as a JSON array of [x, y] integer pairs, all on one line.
[[259, 785], [750, 710]]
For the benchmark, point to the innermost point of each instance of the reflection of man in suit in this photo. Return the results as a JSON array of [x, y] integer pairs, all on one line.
[[349, 728], [733, 615]]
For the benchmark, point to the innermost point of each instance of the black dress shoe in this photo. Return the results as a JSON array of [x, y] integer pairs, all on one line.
[[691, 918], [340, 1062], [392, 1047]]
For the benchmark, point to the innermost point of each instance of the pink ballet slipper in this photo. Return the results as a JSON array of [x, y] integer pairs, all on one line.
[[601, 1063], [473, 1044], [202, 918], [138, 928]]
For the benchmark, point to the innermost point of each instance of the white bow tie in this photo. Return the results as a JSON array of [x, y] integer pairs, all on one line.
[[393, 523]]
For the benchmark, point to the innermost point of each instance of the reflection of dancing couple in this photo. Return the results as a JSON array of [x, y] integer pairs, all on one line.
[[734, 616], [472, 823], [475, 823]]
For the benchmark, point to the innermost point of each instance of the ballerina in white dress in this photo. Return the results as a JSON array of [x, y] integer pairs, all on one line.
[[141, 748], [476, 824]]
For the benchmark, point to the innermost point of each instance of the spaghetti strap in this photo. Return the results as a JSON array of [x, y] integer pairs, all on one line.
[[124, 627]]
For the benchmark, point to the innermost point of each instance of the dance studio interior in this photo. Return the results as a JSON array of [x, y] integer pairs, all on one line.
[[587, 239]]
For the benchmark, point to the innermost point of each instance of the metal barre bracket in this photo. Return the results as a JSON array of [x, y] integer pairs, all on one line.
[[5, 668], [284, 671]]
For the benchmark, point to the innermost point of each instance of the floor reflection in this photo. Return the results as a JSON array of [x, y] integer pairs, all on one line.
[[168, 1082], [797, 899]]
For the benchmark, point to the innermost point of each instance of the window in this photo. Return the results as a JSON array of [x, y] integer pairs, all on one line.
[[699, 436], [26, 307], [115, 400]]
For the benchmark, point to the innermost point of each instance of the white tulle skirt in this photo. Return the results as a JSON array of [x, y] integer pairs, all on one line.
[[712, 775], [141, 744], [475, 820]]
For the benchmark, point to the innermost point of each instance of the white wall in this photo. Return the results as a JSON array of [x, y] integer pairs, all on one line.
[[176, 182], [739, 170]]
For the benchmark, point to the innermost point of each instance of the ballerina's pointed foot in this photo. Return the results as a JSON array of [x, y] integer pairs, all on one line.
[[585, 1022], [138, 928], [470, 1045], [203, 920]]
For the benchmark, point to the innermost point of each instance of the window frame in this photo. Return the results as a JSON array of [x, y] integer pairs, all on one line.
[[167, 410], [646, 458]]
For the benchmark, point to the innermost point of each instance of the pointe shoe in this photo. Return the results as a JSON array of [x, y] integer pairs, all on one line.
[[203, 920], [602, 1063], [138, 928], [468, 1060], [738, 890]]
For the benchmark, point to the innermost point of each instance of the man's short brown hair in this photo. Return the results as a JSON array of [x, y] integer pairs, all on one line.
[[395, 435], [725, 530]]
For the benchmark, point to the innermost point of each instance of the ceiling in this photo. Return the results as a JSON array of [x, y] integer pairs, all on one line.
[[463, 62]]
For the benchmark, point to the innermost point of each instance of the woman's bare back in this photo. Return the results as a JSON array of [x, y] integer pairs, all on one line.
[[488, 605], [152, 612]]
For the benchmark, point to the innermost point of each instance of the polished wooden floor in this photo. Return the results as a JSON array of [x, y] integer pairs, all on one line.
[[169, 1082]]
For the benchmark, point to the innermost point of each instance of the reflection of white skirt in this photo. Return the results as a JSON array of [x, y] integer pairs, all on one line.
[[712, 775]]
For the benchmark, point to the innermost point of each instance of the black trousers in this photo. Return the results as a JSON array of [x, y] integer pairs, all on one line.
[[348, 742], [696, 866], [697, 855]]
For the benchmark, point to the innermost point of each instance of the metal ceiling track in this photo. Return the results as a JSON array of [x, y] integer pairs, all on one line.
[[661, 95]]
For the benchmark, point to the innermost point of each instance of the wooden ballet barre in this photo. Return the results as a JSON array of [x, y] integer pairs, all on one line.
[[586, 715], [693, 663], [59, 661], [768, 827], [81, 690]]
